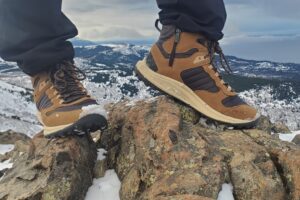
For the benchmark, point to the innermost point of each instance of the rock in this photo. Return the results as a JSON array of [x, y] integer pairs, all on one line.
[[161, 150], [189, 114], [50, 169], [160, 153], [2, 172], [21, 142], [275, 136], [266, 125], [100, 168], [280, 127], [286, 158], [96, 136], [10, 137], [296, 140]]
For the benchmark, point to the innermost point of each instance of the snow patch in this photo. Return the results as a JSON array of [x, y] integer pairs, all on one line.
[[106, 188], [289, 137], [226, 192], [101, 154]]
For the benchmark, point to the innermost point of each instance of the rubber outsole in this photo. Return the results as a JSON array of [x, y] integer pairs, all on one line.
[[85, 125], [246, 125]]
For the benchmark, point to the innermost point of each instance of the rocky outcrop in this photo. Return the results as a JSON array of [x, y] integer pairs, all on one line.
[[161, 151], [10, 137], [49, 169], [266, 125]]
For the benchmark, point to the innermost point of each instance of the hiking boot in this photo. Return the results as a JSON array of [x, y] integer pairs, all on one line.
[[64, 106], [181, 64]]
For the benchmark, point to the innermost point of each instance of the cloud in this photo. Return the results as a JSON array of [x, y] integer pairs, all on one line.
[[250, 24], [92, 5], [113, 33], [278, 8], [280, 48], [114, 19]]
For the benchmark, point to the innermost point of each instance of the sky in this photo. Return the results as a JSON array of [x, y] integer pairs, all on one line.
[[255, 29]]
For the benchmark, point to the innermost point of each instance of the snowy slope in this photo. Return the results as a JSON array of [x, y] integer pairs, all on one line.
[[17, 112], [111, 78]]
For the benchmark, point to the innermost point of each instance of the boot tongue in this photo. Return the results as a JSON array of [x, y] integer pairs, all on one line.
[[166, 32]]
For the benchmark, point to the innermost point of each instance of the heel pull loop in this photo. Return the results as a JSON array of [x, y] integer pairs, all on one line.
[[176, 41]]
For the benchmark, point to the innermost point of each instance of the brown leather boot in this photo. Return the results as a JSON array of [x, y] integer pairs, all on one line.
[[63, 103], [181, 65]]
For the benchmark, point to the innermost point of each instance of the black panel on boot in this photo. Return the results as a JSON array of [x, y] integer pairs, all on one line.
[[198, 79]]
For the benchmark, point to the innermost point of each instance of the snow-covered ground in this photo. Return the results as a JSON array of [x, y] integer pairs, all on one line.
[[17, 111], [286, 111]]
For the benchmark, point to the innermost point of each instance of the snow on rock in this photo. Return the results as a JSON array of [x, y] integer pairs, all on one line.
[[106, 188], [4, 148], [226, 192], [101, 154], [5, 165], [289, 137]]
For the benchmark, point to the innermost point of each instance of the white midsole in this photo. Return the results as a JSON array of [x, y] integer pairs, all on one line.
[[185, 94], [54, 129]]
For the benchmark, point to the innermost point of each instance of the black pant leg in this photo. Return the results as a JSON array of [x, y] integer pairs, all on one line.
[[198, 16], [33, 33]]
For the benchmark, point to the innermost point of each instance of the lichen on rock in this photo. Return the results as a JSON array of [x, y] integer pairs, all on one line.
[[161, 150], [164, 150], [53, 169]]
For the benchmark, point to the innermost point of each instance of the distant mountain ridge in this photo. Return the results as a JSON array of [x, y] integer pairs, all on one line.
[[111, 54], [122, 58], [253, 68]]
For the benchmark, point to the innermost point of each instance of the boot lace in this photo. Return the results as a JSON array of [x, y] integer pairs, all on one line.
[[214, 48], [66, 80]]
